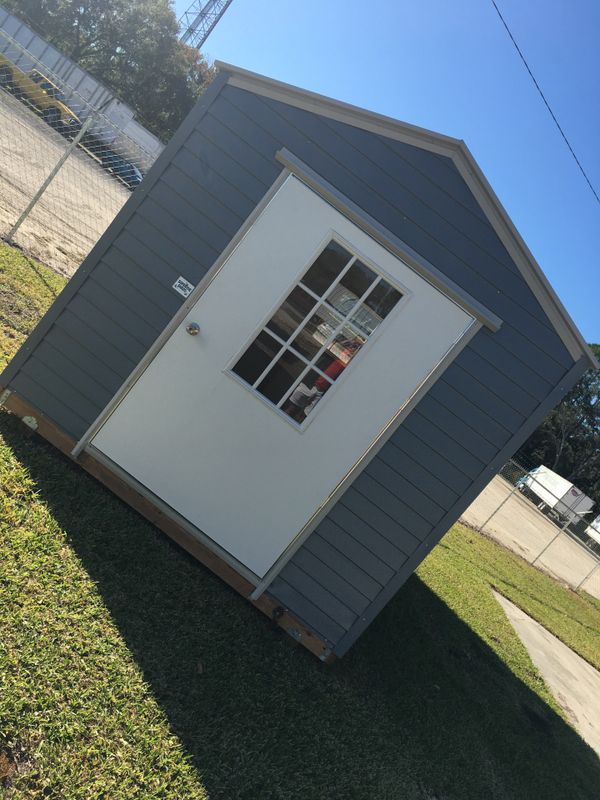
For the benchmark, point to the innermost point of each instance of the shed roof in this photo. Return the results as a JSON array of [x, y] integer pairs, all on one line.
[[452, 148]]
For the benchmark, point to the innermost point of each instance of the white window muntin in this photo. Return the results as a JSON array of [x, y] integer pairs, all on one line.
[[356, 255]]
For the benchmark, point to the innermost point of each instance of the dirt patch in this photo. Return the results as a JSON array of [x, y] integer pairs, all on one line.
[[14, 762], [8, 766]]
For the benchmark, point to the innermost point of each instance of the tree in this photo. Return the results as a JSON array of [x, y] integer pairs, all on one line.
[[130, 45], [568, 441]]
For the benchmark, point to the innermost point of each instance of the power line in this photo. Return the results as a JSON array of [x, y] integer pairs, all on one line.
[[552, 114]]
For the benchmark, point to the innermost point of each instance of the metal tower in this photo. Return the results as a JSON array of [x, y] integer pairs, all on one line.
[[199, 20]]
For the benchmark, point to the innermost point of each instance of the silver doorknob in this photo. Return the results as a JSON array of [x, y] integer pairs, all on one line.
[[192, 328]]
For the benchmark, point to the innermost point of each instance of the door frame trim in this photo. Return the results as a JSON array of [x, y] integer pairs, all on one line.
[[480, 316]]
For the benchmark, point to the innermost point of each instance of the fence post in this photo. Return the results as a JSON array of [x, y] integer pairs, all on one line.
[[506, 499], [589, 575], [551, 542], [34, 200]]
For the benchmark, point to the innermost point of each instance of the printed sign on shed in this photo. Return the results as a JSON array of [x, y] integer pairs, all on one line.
[[183, 287]]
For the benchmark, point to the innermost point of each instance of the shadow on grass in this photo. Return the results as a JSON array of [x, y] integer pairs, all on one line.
[[419, 708]]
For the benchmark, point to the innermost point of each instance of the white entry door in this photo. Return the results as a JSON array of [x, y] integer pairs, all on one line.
[[311, 338]]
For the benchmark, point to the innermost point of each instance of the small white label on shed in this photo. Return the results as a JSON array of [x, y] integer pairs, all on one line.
[[182, 286]]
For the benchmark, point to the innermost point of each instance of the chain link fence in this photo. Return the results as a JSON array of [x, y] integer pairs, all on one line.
[[520, 509], [66, 168]]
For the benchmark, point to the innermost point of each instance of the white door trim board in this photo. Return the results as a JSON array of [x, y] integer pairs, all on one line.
[[191, 435]]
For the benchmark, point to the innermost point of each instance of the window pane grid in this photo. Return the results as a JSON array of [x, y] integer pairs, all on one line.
[[338, 324], [268, 367], [344, 322], [327, 266], [311, 364], [278, 339], [310, 291], [303, 320], [295, 352], [299, 380], [332, 285], [339, 284]]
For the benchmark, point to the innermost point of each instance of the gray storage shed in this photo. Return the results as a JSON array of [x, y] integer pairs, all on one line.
[[302, 348]]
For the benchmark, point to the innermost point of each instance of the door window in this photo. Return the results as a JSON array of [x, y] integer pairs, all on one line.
[[314, 334]]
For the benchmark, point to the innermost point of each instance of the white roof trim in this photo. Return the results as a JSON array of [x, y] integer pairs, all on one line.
[[454, 149], [335, 109], [529, 268]]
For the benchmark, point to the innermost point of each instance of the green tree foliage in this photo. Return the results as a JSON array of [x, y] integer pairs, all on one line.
[[568, 441], [130, 45]]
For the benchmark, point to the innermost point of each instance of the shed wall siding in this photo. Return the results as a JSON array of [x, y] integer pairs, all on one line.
[[201, 198]]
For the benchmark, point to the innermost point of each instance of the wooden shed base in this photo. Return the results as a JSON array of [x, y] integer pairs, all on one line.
[[271, 607]]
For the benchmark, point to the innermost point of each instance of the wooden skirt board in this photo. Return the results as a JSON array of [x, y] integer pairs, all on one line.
[[212, 449], [122, 489]]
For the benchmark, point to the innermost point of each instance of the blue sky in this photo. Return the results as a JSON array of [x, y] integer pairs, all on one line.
[[451, 67]]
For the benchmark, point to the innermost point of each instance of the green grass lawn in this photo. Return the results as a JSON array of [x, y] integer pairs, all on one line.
[[127, 670], [26, 291]]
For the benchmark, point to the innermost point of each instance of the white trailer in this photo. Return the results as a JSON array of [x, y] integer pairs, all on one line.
[[593, 530], [556, 492]]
